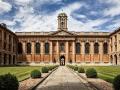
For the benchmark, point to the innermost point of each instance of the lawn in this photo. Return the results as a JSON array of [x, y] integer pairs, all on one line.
[[106, 72], [21, 72]]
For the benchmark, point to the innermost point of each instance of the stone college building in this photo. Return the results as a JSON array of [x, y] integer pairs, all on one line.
[[60, 47]]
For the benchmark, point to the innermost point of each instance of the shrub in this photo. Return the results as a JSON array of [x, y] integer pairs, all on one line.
[[91, 73], [35, 74], [75, 67], [9, 82], [81, 70], [116, 82], [45, 69]]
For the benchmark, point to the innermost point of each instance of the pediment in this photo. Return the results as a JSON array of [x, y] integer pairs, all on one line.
[[62, 33]]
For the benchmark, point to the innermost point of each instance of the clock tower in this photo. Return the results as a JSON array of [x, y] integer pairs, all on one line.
[[62, 21]]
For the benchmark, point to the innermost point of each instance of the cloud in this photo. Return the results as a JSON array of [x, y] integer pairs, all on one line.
[[114, 9], [5, 7], [48, 22]]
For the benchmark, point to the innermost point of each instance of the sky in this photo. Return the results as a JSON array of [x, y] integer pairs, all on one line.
[[41, 15]]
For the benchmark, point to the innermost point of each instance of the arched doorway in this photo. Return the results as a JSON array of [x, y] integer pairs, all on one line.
[[62, 60], [115, 59]]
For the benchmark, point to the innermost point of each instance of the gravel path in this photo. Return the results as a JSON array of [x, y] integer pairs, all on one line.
[[64, 79]]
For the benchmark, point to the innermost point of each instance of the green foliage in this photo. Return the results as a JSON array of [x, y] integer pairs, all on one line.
[[45, 69], [8, 82], [70, 66], [35, 74], [75, 67], [91, 73], [51, 67], [81, 70], [116, 82]]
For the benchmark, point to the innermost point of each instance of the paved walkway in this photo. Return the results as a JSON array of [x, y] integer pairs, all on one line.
[[64, 79]]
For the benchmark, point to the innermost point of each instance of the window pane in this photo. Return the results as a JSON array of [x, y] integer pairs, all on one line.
[[105, 48], [96, 48], [20, 48], [37, 48], [46, 48], [28, 48], [77, 48], [87, 48], [62, 47]]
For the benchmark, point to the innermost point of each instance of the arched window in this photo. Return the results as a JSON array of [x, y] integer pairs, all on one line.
[[46, 48], [62, 47], [105, 48], [28, 48], [20, 49], [96, 48], [87, 48], [37, 48], [77, 48]]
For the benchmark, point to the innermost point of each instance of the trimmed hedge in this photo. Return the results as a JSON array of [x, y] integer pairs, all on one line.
[[8, 82], [116, 82], [36, 74], [91, 73], [75, 67], [81, 70], [45, 69]]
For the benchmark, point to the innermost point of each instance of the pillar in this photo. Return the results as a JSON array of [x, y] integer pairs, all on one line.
[[73, 44], [33, 51], [101, 51], [57, 51], [92, 51], [51, 51], [67, 51], [42, 51], [24, 47], [83, 50]]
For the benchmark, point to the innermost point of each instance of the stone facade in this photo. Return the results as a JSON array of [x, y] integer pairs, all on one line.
[[63, 46], [8, 46]]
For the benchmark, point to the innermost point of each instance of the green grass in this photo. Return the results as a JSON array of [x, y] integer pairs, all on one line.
[[106, 72], [21, 72]]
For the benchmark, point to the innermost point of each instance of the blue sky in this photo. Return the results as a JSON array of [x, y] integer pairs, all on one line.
[[41, 15]]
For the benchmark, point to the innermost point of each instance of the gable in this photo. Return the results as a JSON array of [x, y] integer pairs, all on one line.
[[62, 33]]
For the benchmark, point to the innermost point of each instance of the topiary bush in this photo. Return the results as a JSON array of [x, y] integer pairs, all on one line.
[[35, 74], [75, 67], [81, 70], [8, 82], [91, 73], [116, 82], [45, 70]]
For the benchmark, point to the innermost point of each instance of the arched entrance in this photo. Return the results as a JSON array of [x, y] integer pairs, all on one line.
[[115, 59], [62, 60]]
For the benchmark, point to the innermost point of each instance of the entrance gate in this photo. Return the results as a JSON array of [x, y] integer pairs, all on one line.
[[62, 60]]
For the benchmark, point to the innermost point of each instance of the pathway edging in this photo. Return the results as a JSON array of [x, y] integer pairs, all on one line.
[[43, 79], [93, 84], [85, 79]]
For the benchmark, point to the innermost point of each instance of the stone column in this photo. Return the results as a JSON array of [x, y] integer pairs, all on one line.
[[51, 51], [57, 51], [101, 51], [24, 47], [92, 51], [73, 51], [33, 51], [67, 51], [42, 51], [83, 50]]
